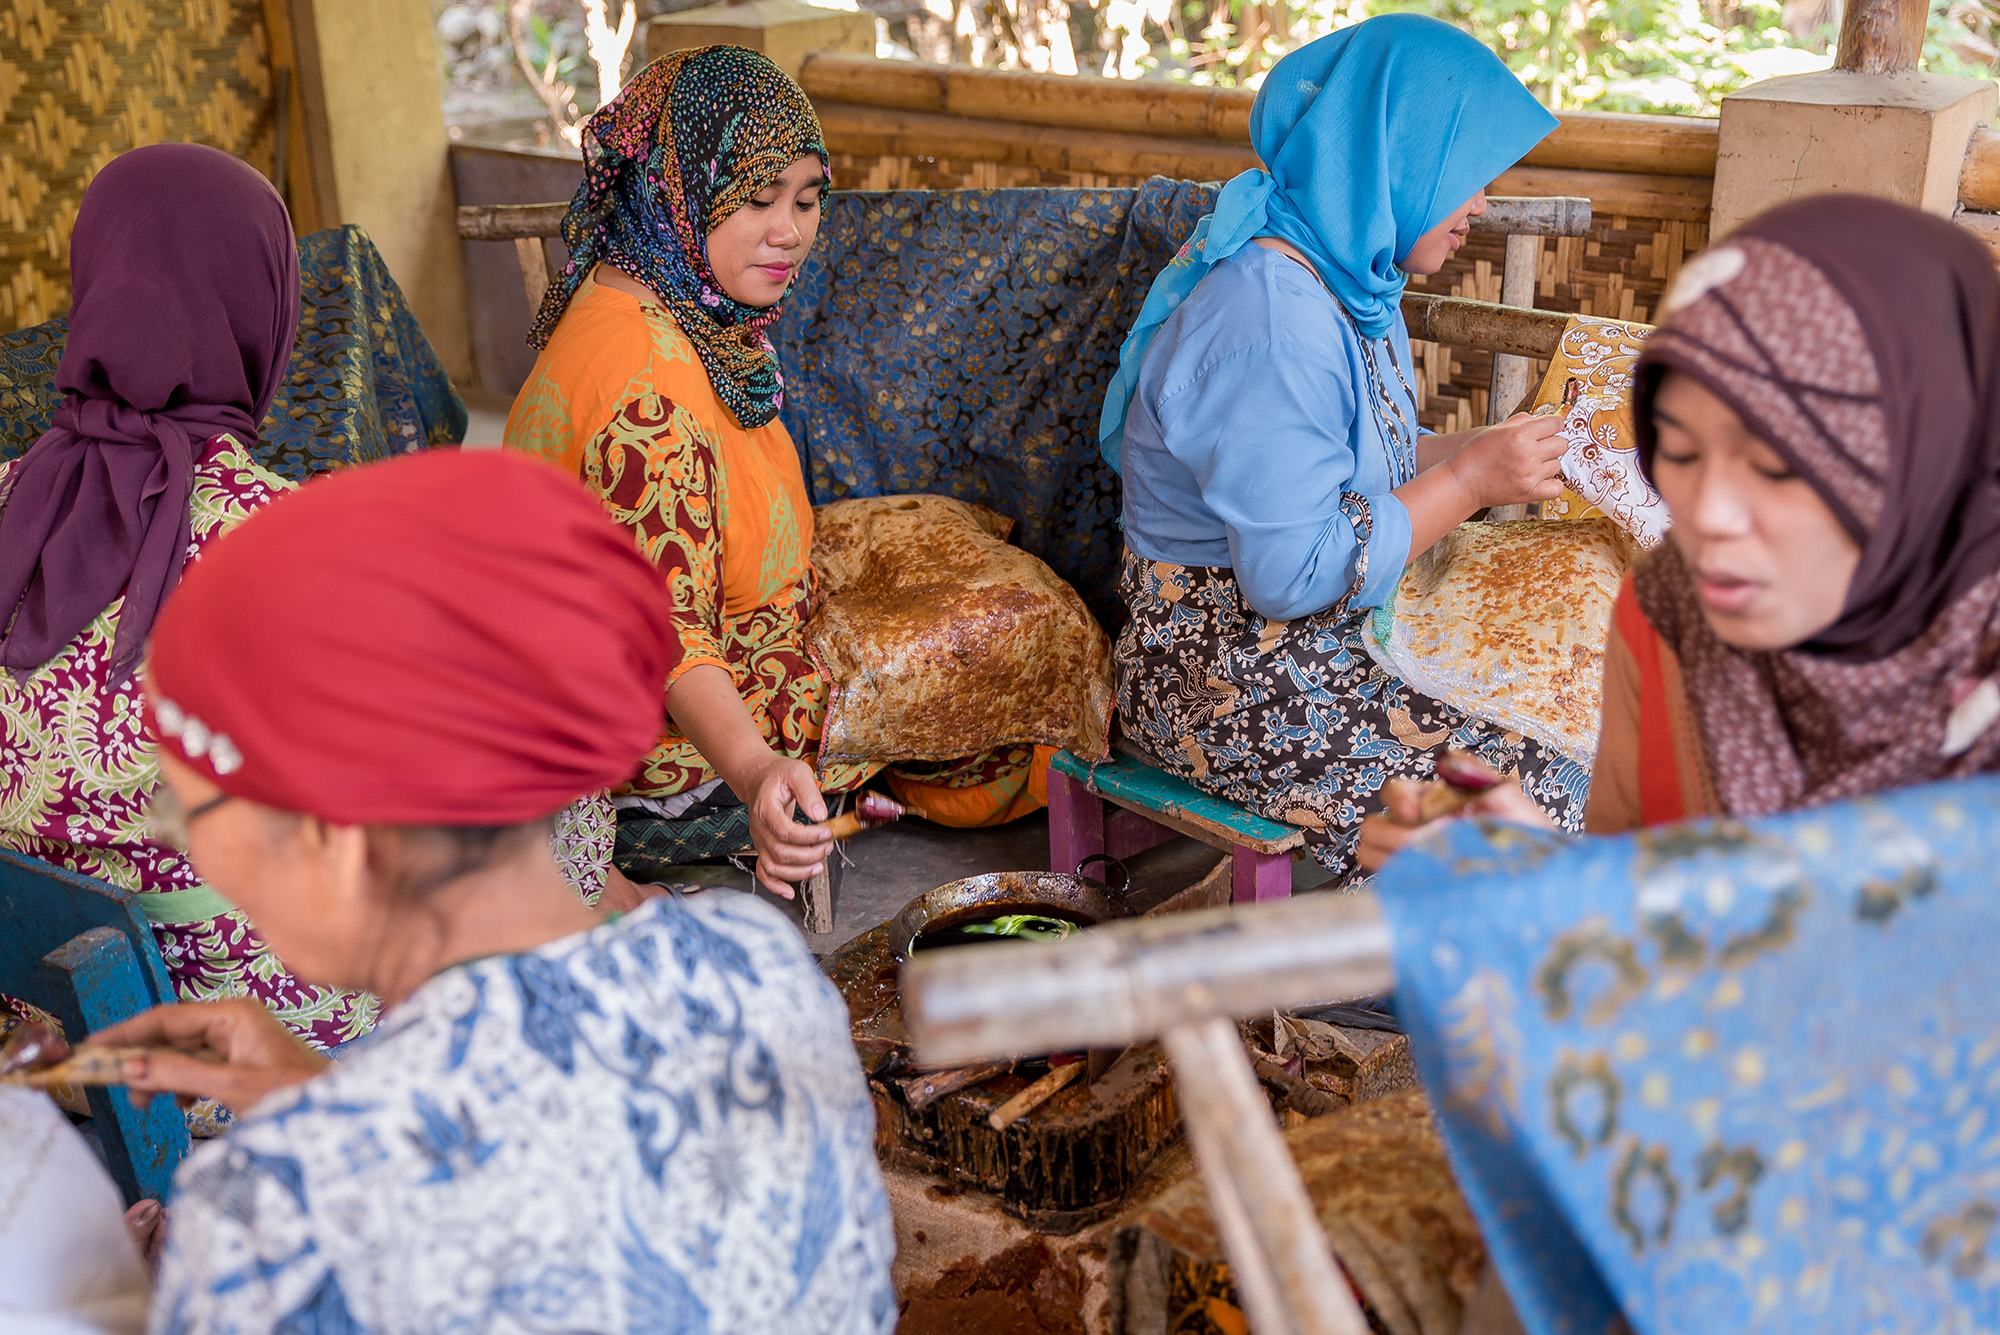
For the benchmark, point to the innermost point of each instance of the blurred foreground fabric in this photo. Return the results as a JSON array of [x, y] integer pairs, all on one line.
[[364, 383], [1721, 1076]]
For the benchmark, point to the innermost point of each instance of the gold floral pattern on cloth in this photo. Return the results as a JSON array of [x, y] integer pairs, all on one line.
[[1293, 719], [942, 640], [1589, 382]]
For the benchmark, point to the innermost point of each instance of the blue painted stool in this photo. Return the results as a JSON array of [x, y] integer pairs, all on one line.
[[82, 951], [1124, 806]]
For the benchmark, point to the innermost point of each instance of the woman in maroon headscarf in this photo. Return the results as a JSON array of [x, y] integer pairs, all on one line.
[[185, 295], [1821, 414]]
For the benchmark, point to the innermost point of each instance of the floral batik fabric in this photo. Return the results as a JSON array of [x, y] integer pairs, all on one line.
[[656, 1125], [1293, 719], [77, 771]]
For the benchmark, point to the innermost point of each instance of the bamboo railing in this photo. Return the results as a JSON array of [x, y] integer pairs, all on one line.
[[1655, 166]]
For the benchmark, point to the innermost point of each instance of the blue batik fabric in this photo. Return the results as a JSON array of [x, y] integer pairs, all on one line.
[[364, 382], [658, 1125], [959, 342], [1721, 1076]]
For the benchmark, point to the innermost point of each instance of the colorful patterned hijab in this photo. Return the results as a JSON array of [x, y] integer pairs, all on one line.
[[1370, 137], [691, 140], [184, 283], [1860, 339]]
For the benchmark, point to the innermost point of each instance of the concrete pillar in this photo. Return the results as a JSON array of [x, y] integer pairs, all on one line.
[[785, 30], [1875, 126], [373, 112]]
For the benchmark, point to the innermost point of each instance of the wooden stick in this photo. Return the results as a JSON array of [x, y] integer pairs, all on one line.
[[921, 1091], [1556, 215], [1124, 982], [874, 132], [509, 222], [1517, 288], [1482, 324], [1034, 1096], [86, 1065], [1284, 1270]]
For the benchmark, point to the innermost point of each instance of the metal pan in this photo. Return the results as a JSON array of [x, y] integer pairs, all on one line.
[[1078, 898]]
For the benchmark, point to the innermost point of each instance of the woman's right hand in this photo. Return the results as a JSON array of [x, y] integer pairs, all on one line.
[[1512, 462], [787, 852], [1384, 835], [233, 1051]]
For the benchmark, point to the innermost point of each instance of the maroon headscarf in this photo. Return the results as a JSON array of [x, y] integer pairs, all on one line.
[[1860, 339], [184, 282]]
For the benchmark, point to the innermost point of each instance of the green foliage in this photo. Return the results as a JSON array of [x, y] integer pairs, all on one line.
[[1675, 56]]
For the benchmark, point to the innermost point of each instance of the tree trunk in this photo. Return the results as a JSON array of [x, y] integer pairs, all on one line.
[[1881, 36]]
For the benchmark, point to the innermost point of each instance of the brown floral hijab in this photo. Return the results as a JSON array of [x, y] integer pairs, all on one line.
[[1860, 339]]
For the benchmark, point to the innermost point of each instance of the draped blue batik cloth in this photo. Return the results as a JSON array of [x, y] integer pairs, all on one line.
[[364, 382], [960, 342], [1721, 1076]]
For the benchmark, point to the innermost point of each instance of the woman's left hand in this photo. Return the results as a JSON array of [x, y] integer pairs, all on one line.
[[232, 1051]]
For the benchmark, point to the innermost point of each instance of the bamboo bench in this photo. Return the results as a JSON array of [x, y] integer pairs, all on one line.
[[1124, 806]]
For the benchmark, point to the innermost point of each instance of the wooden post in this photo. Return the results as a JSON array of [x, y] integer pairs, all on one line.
[[1284, 1271], [1881, 36], [1076, 822]]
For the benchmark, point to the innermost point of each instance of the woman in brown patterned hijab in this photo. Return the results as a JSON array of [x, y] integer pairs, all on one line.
[[1819, 414]]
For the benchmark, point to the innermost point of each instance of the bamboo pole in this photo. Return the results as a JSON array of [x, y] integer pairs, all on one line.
[[1616, 194], [509, 222], [1979, 182], [1517, 289], [875, 132], [1881, 36], [1128, 981], [1482, 324], [1585, 141], [1513, 216]]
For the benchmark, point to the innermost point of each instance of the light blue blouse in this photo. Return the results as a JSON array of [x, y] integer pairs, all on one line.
[[1252, 442]]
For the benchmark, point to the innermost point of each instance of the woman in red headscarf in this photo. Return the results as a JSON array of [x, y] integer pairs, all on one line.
[[1821, 414], [652, 1123], [185, 295]]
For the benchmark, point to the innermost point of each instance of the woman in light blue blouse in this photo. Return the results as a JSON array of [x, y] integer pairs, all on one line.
[[1276, 482]]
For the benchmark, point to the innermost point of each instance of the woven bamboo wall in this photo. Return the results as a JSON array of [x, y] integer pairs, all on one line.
[[82, 81], [1621, 269]]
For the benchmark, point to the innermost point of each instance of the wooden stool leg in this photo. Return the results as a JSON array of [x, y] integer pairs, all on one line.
[[1283, 1268], [1258, 877], [1076, 822]]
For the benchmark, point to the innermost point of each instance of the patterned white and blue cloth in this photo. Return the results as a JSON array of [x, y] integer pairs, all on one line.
[[657, 1125]]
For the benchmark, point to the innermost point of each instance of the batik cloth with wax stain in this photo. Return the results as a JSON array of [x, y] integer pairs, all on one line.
[[655, 1125], [1293, 719], [80, 771]]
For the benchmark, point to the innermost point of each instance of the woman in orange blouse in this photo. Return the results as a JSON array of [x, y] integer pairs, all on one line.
[[657, 385]]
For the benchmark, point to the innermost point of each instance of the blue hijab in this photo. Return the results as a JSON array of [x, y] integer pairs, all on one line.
[[1372, 136]]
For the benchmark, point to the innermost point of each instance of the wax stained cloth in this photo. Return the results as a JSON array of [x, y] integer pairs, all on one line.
[[691, 139], [1723, 1075], [1370, 136], [990, 395], [363, 383], [655, 1125]]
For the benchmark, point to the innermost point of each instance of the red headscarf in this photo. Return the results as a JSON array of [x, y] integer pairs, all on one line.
[[444, 639]]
